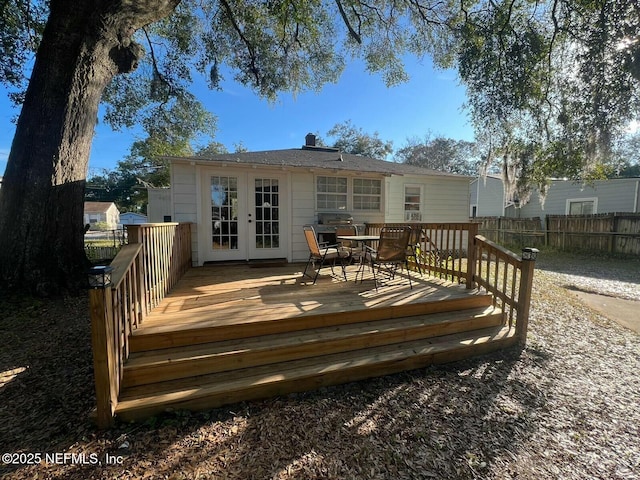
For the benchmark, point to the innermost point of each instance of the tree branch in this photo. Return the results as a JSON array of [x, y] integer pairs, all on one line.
[[355, 35], [252, 54]]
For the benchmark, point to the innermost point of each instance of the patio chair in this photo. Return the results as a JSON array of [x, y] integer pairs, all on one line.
[[413, 245], [322, 255], [392, 251]]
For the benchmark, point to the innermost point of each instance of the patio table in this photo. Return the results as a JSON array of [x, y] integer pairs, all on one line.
[[366, 239]]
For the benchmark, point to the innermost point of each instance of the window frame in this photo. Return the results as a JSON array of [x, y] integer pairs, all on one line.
[[329, 193], [350, 194], [593, 200], [377, 196], [419, 211]]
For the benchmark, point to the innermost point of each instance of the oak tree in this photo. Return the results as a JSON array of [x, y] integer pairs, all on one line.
[[550, 83]]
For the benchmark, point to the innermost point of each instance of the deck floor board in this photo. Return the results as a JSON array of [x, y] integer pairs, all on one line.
[[230, 294]]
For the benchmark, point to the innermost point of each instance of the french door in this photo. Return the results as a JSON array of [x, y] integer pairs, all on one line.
[[248, 216]]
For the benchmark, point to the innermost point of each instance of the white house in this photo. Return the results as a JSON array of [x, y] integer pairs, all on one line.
[[487, 197], [566, 197], [101, 212], [253, 205]]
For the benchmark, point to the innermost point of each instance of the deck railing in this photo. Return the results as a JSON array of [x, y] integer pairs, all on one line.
[[455, 252], [508, 278], [143, 273], [444, 250]]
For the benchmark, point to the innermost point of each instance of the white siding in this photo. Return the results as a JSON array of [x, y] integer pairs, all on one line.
[[488, 194], [303, 196], [444, 199], [302, 212], [616, 195], [159, 204], [183, 199]]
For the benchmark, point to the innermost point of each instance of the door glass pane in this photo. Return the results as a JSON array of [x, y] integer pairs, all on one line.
[[224, 213], [267, 213]]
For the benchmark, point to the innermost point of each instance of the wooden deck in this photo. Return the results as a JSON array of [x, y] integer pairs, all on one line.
[[233, 333], [224, 297]]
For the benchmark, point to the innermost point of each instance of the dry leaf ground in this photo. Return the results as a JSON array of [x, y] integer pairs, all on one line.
[[566, 407]]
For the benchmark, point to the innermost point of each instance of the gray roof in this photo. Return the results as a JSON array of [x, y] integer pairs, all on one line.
[[317, 157]]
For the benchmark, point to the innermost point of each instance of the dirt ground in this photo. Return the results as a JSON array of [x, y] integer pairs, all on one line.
[[566, 406]]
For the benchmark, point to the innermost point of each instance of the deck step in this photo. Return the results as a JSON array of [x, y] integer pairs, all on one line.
[[179, 362], [217, 389], [210, 328]]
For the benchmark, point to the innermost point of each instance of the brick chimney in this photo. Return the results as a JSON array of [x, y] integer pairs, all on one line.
[[310, 140]]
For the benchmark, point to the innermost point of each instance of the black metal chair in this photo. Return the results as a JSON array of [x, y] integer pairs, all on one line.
[[322, 254], [391, 252]]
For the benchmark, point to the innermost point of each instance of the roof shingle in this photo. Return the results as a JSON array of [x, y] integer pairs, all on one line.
[[318, 157]]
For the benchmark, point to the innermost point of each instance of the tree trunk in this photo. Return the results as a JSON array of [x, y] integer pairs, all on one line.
[[84, 45]]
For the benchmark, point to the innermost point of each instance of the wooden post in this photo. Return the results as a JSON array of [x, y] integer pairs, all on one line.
[[612, 233], [133, 233], [106, 381], [524, 295], [471, 255]]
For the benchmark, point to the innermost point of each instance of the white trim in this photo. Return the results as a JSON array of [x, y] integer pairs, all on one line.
[[585, 199], [201, 233], [349, 177], [421, 211]]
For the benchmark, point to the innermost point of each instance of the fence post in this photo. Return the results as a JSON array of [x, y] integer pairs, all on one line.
[[101, 310], [524, 293], [612, 234], [471, 255]]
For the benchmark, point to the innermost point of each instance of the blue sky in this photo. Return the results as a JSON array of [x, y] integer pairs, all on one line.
[[431, 101]]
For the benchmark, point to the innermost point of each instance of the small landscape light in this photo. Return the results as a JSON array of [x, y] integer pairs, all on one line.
[[529, 253], [100, 276]]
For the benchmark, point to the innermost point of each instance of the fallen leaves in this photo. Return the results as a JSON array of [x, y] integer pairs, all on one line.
[[564, 407]]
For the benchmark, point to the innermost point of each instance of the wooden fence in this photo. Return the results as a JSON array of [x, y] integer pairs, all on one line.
[[143, 273], [609, 232], [519, 232]]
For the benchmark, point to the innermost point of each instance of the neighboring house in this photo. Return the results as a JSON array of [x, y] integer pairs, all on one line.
[[253, 205], [102, 212], [566, 197], [487, 197], [132, 218]]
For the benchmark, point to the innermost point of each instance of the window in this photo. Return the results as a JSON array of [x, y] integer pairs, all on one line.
[[412, 203], [581, 206], [331, 193], [366, 194]]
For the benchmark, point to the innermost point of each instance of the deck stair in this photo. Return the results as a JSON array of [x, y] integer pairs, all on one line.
[[226, 362]]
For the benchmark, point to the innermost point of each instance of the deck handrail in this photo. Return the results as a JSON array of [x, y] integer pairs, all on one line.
[[143, 273], [508, 278], [455, 252], [445, 250]]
